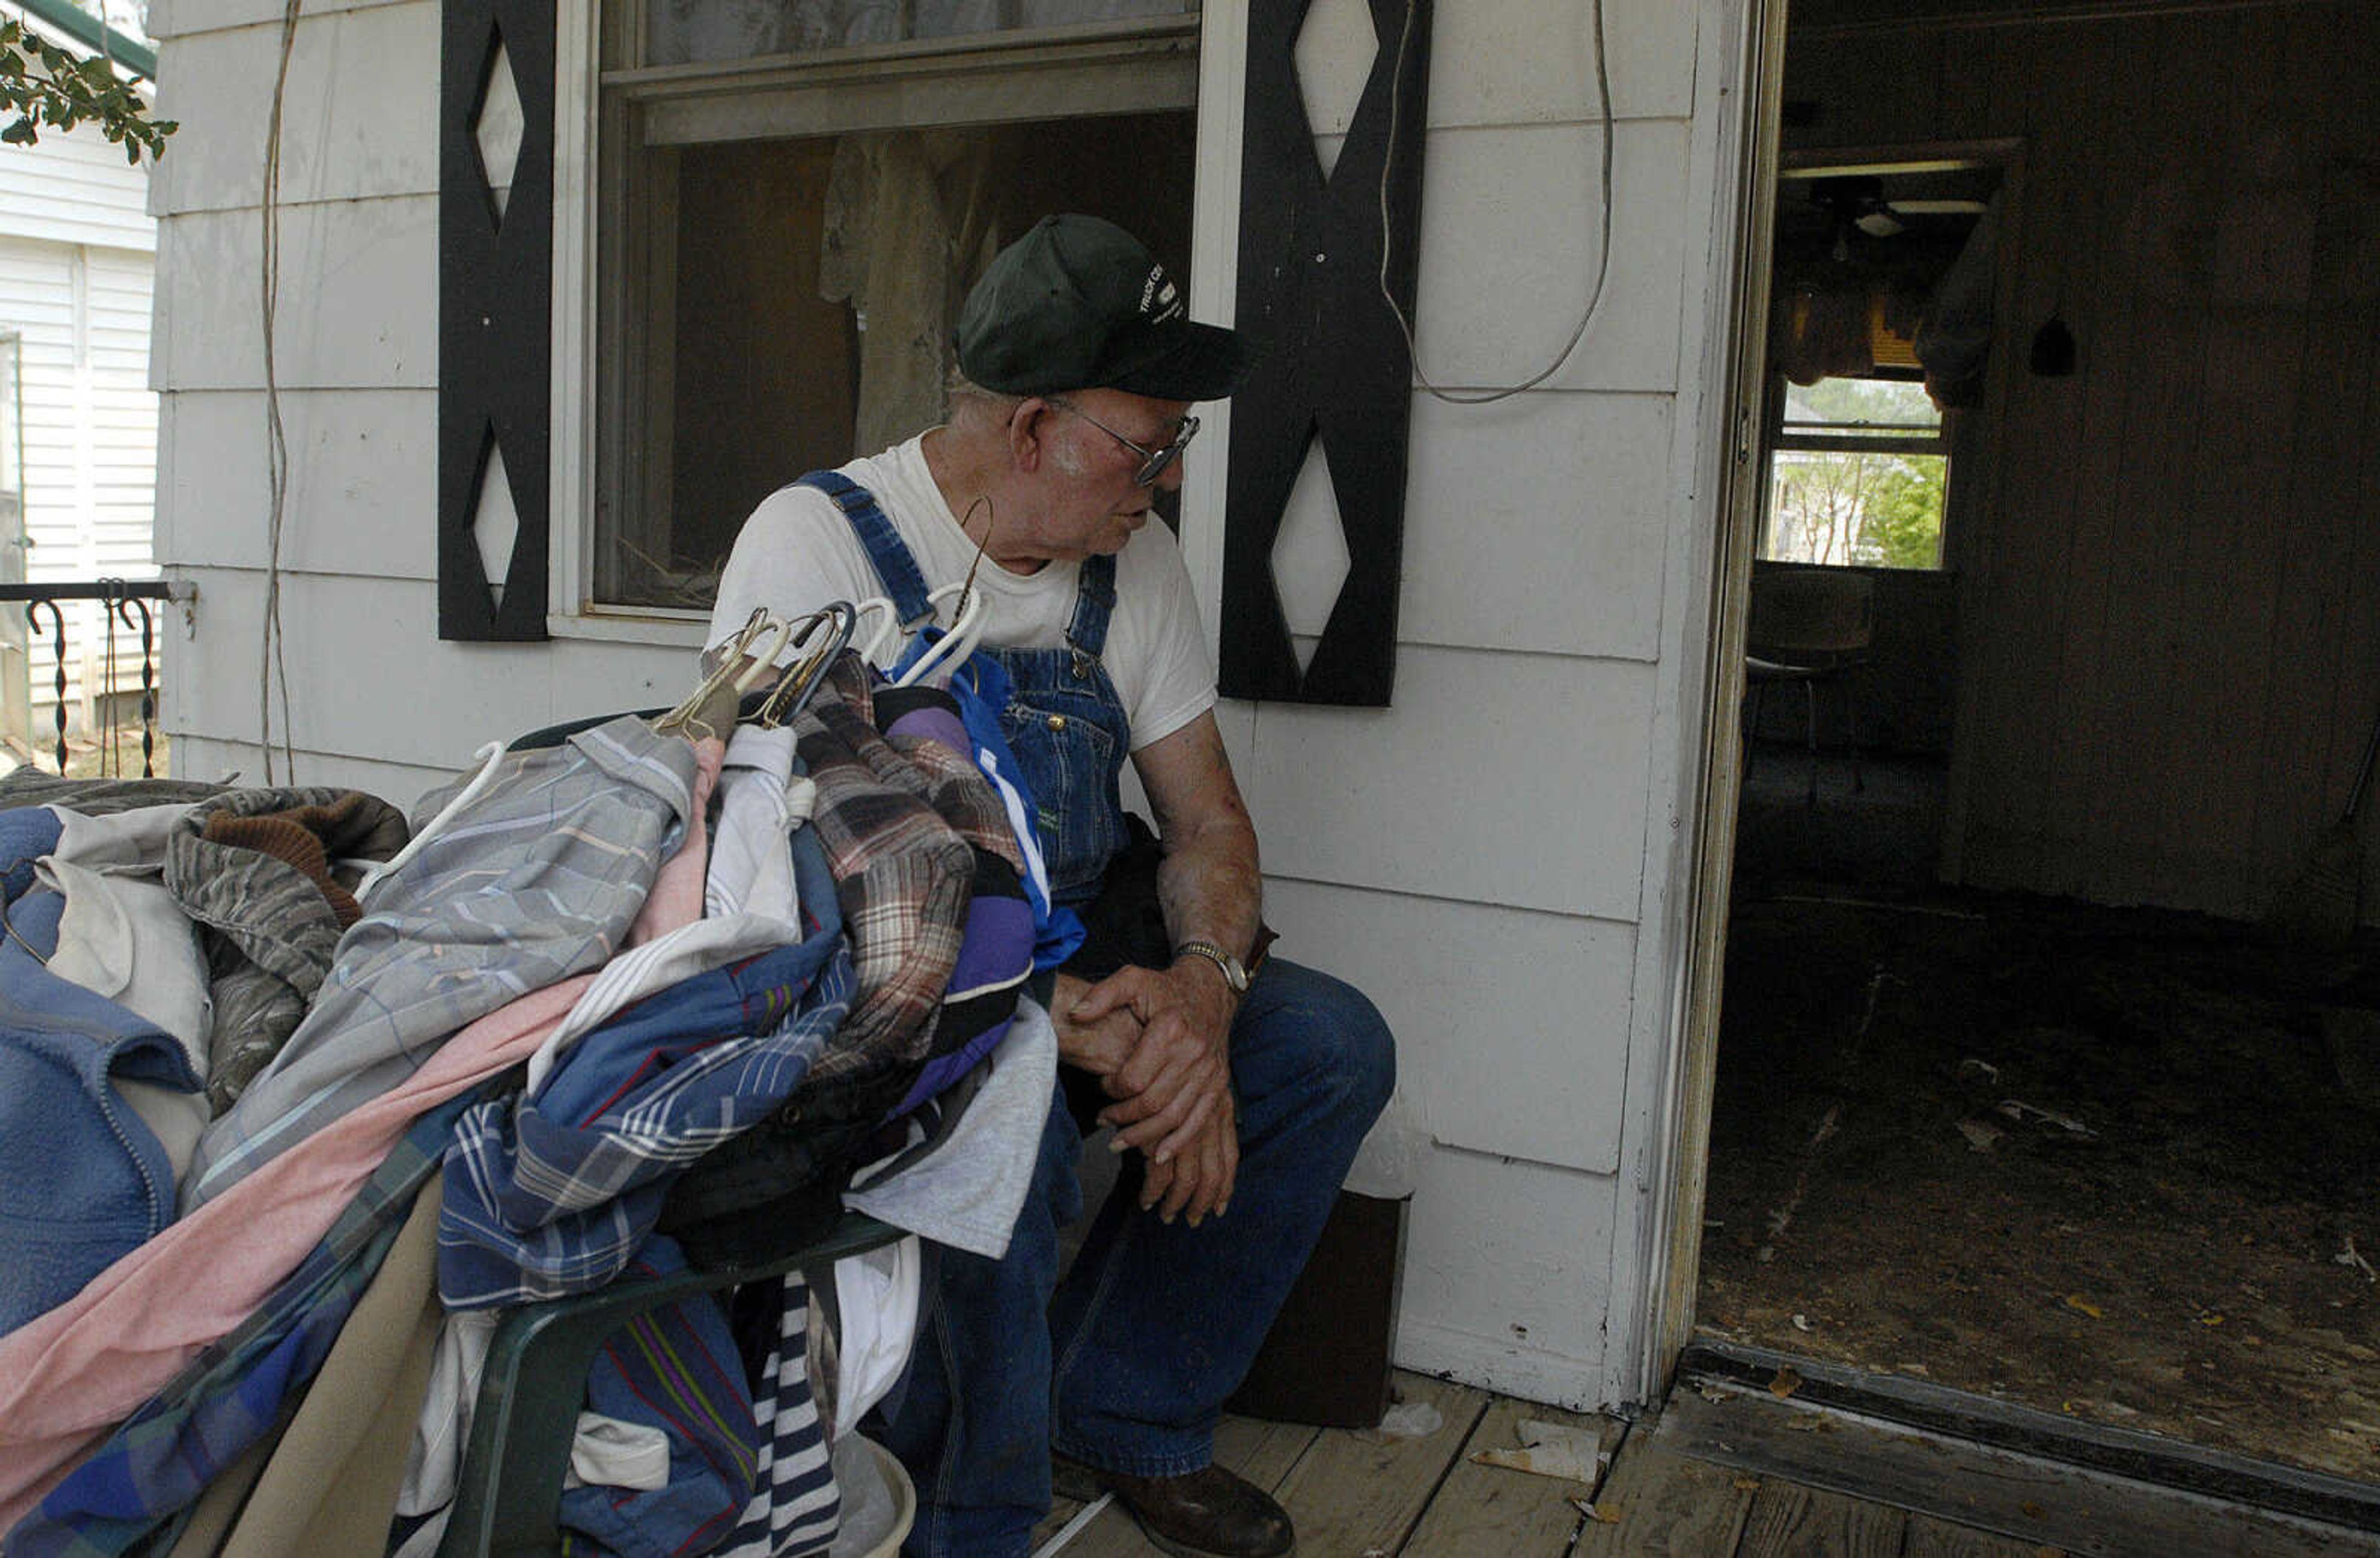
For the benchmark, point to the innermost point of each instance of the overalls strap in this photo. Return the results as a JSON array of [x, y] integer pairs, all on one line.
[[1095, 593], [894, 566]]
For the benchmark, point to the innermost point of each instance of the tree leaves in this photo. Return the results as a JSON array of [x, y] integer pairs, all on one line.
[[54, 90]]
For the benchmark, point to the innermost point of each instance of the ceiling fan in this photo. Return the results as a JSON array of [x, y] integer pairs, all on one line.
[[1857, 200]]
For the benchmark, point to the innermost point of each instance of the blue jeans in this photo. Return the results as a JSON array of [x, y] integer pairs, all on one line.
[[1127, 1365]]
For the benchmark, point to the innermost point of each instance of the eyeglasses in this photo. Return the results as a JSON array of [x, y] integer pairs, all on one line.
[[1153, 462]]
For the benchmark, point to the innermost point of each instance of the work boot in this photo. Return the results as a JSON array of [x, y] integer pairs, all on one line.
[[1209, 1513]]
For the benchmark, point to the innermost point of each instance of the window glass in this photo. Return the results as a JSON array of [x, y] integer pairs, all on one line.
[[1858, 474]]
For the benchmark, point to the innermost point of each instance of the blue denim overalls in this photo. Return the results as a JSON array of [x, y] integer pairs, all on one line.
[[1127, 1365], [1065, 722]]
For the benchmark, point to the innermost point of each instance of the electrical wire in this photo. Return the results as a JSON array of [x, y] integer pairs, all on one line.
[[272, 647], [1603, 256]]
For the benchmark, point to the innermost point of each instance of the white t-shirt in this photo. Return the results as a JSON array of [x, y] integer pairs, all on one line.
[[798, 551]]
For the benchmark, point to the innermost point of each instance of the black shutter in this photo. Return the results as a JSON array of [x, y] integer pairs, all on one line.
[[1331, 362], [495, 290]]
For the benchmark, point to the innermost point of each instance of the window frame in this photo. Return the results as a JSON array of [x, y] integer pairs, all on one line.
[[1775, 440], [871, 86]]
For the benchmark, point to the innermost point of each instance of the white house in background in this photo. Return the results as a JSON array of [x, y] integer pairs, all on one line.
[[78, 417]]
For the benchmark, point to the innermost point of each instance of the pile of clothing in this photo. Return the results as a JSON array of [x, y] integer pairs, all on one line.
[[301, 1098]]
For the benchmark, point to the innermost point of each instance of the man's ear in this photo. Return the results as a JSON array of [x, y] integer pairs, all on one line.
[[1024, 429]]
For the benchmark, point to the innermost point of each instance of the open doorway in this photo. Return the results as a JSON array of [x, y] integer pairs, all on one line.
[[1874, 450], [2033, 1081]]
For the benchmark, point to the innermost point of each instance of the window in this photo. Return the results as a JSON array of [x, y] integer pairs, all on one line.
[[795, 198], [1858, 474]]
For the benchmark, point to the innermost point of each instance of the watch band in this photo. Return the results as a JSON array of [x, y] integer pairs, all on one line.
[[1234, 974]]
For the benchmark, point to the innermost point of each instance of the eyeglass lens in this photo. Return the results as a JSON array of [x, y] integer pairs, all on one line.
[[1153, 462], [1155, 466]]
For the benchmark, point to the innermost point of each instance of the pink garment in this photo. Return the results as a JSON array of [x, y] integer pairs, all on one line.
[[70, 1377]]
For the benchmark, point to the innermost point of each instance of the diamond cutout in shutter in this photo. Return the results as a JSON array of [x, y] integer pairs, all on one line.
[[497, 126], [1310, 561], [1335, 47], [495, 524]]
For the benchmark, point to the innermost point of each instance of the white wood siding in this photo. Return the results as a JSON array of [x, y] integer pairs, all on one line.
[[375, 699], [1496, 859], [76, 188]]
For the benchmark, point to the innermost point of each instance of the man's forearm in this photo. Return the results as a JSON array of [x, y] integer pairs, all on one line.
[[1209, 887]]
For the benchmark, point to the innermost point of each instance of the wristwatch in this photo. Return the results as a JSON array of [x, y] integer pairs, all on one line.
[[1234, 974]]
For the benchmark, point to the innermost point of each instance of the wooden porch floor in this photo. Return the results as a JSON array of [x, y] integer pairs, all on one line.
[[1723, 1476]]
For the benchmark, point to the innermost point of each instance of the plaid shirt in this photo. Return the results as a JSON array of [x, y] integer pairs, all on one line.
[[231, 1395], [536, 880], [555, 1193], [901, 821]]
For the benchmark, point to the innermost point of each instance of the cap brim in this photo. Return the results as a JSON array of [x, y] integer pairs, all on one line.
[[1210, 364]]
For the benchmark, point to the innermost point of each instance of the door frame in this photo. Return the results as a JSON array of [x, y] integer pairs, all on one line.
[[1694, 1066], [1693, 1061]]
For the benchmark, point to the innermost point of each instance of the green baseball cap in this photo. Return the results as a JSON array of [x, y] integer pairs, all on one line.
[[1079, 303]]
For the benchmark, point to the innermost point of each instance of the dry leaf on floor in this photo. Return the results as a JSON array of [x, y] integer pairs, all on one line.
[[1983, 1137], [2082, 1305], [2018, 1109], [1598, 1516], [1549, 1450], [1787, 1380]]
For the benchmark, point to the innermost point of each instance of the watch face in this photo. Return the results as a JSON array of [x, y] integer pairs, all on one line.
[[1234, 976]]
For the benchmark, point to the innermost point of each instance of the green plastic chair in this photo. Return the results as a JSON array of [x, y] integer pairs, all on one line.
[[510, 1492]]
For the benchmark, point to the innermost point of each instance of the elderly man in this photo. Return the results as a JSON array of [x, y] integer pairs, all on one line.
[[1241, 1098]]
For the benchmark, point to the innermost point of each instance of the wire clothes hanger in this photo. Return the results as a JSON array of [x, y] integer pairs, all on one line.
[[956, 644], [793, 691], [967, 626], [710, 709], [760, 664]]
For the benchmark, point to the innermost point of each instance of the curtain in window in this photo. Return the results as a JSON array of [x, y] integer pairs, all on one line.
[[896, 204], [687, 30]]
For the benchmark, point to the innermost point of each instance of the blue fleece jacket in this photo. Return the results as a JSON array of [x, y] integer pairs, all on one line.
[[82, 1178]]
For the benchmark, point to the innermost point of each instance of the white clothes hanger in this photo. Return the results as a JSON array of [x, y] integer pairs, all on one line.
[[882, 640], [487, 756], [956, 644]]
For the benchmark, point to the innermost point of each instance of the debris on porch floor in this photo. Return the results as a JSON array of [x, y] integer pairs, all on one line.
[[1354, 1493], [1727, 1473], [2117, 1165]]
